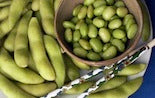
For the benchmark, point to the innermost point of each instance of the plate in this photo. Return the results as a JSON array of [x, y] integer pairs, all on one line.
[[145, 58]]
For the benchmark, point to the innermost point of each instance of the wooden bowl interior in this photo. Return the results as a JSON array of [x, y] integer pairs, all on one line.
[[65, 13]]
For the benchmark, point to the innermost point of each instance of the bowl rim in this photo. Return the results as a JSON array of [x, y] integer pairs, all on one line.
[[103, 62]]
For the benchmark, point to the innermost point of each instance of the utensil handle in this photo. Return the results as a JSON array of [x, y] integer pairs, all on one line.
[[151, 44]]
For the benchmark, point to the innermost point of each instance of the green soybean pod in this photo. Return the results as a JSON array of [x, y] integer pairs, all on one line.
[[72, 71], [96, 44], [82, 13], [35, 5], [85, 44], [119, 44], [129, 23], [16, 11], [132, 31], [56, 59], [114, 17], [32, 64], [99, 10], [123, 91], [68, 24], [111, 84], [4, 12], [68, 35], [76, 44], [89, 21], [80, 64], [5, 3], [98, 3], [114, 24], [74, 20], [122, 11], [56, 4], [76, 35], [119, 3], [88, 2], [98, 22], [119, 34], [90, 12], [84, 30], [77, 10], [126, 18], [21, 55], [92, 32], [106, 46], [47, 16], [104, 35], [80, 88], [132, 69], [80, 52], [38, 90], [78, 25], [6, 87], [124, 39], [39, 54], [110, 2], [93, 56], [108, 13], [11, 69], [110, 53], [37, 14]]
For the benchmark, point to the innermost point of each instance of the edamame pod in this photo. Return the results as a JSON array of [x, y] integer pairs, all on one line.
[[32, 64], [111, 84], [56, 59], [76, 36], [39, 55], [88, 2], [80, 52], [89, 21], [118, 44], [4, 12], [72, 71], [124, 39], [96, 44], [132, 31], [93, 56], [109, 53], [77, 10], [47, 16], [99, 10], [98, 22], [38, 90], [16, 11], [132, 69], [82, 13], [56, 4], [68, 35], [122, 11], [123, 91], [98, 3], [129, 23], [5, 3], [77, 89], [76, 44], [119, 3], [108, 13], [35, 5], [92, 32], [8, 66], [106, 46], [68, 24], [80, 64], [37, 14], [75, 20], [119, 34], [84, 30], [114, 17], [104, 35], [78, 25], [110, 2], [90, 12], [21, 53], [126, 18], [114, 24], [6, 87], [85, 44]]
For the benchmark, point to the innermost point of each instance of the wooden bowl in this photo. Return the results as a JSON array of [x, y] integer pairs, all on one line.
[[65, 13]]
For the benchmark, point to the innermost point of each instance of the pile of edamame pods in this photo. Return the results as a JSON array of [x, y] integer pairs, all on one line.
[[31, 62], [100, 29]]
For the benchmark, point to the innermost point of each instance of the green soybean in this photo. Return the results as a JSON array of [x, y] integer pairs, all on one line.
[[108, 13], [88, 2], [98, 3], [78, 25], [84, 30], [35, 5], [5, 3], [4, 12], [124, 39], [119, 44], [82, 13], [39, 54], [132, 31], [93, 56], [47, 16], [122, 11], [111, 84], [90, 11], [129, 23], [119, 34], [8, 66], [114, 17], [80, 52], [114, 24], [76, 36], [119, 3], [38, 90], [104, 35], [110, 2], [92, 32], [106, 46], [96, 44], [32, 64], [126, 18], [98, 22], [21, 55], [75, 20], [99, 10], [77, 10], [69, 24], [85, 44], [89, 21], [6, 87], [72, 71], [80, 64], [76, 44], [109, 53], [78, 89], [132, 69], [123, 91], [68, 35]]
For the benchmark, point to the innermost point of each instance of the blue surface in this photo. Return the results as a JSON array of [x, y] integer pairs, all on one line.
[[148, 88]]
